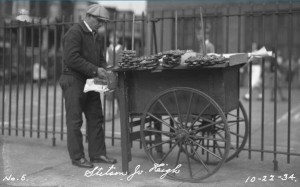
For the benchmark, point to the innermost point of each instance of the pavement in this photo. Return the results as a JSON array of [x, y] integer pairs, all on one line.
[[35, 162]]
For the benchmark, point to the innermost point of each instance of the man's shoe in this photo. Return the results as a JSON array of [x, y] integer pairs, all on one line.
[[83, 163], [103, 159]]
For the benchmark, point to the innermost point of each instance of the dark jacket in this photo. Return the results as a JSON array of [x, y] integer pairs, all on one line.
[[82, 53]]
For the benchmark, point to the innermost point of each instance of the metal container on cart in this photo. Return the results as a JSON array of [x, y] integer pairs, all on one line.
[[190, 119]]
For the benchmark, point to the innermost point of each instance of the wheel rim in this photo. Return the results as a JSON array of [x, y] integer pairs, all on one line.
[[183, 128], [238, 127], [238, 124]]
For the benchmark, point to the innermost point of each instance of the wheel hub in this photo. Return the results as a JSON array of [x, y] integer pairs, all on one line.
[[182, 133]]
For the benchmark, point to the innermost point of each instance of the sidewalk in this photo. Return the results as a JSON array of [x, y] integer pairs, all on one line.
[[34, 162]]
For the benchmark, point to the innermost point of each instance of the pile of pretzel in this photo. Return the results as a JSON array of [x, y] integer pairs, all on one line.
[[207, 60], [172, 58], [150, 62], [129, 60], [167, 59]]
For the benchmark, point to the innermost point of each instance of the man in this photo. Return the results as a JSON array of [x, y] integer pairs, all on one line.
[[84, 59]]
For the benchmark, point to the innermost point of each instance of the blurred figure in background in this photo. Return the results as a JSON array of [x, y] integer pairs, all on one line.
[[210, 48], [281, 74], [39, 73], [255, 75], [114, 46]]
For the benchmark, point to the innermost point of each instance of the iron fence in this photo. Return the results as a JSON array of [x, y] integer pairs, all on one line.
[[32, 61]]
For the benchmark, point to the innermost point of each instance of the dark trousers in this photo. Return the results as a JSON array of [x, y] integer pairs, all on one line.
[[76, 103]]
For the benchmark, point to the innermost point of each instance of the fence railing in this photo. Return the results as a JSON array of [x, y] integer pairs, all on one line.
[[31, 63]]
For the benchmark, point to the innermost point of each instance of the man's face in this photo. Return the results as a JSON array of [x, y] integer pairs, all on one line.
[[96, 23]]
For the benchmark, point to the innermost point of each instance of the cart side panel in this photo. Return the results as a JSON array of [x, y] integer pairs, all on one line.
[[144, 85], [231, 81]]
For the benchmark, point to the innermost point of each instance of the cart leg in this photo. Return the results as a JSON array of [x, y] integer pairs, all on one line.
[[125, 148]]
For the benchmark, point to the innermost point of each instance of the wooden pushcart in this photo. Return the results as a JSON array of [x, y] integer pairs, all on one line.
[[190, 118]]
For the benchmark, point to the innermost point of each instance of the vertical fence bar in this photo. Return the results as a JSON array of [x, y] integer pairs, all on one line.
[[275, 162], [239, 28], [162, 30], [24, 34], [133, 32], [113, 93], [290, 45], [31, 83], [62, 96], [173, 30], [54, 85], [105, 40], [194, 29], [202, 32], [4, 77], [143, 47], [39, 83], [151, 33], [263, 86], [47, 79], [205, 18], [104, 102], [104, 95], [212, 31], [250, 84], [143, 33], [104, 116], [114, 44], [239, 75], [176, 29], [220, 37], [227, 29], [18, 76], [113, 120], [216, 26], [183, 28], [10, 78], [123, 32], [154, 35]]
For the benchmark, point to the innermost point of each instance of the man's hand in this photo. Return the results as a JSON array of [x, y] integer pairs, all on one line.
[[102, 73], [100, 81]]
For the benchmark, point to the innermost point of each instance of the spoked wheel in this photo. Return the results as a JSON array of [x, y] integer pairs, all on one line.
[[183, 135], [238, 124]]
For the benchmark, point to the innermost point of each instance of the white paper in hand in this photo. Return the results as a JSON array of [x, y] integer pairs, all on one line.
[[91, 86]]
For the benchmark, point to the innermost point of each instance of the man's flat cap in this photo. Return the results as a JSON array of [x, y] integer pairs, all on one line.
[[98, 11]]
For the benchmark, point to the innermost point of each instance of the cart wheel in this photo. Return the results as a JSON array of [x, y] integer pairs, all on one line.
[[188, 136], [238, 124]]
